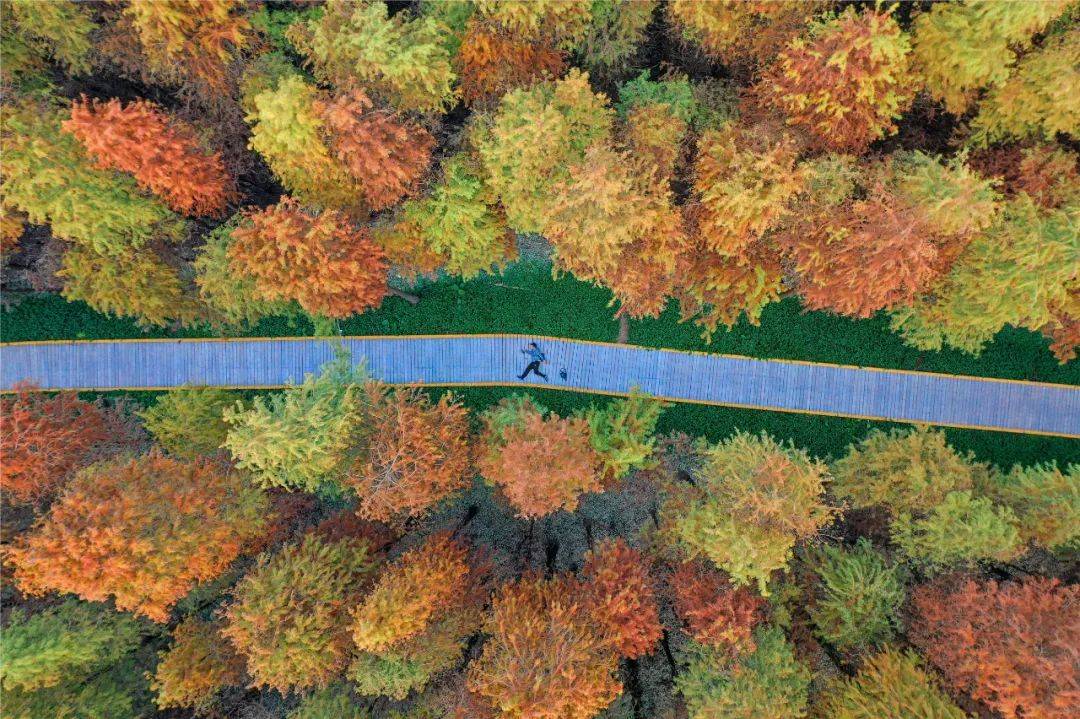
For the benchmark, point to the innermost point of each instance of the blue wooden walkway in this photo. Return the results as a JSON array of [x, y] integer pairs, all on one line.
[[590, 367]]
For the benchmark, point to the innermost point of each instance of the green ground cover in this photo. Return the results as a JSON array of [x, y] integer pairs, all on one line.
[[822, 436], [527, 300]]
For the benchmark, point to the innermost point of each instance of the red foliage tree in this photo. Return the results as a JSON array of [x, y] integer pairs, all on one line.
[[144, 530], [716, 613], [387, 154], [415, 453], [322, 261], [161, 152], [1012, 646], [493, 63], [622, 597], [45, 440]]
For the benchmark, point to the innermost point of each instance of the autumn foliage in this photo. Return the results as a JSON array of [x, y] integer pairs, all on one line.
[[715, 612], [540, 461], [620, 590], [413, 453], [1011, 646], [161, 152], [493, 63], [45, 440], [141, 530], [544, 658], [198, 664], [845, 81], [289, 617], [322, 261]]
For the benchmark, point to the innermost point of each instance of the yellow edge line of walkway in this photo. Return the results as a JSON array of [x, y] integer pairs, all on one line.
[[587, 390], [190, 340]]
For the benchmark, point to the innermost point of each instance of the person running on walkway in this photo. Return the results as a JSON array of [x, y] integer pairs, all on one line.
[[536, 357]]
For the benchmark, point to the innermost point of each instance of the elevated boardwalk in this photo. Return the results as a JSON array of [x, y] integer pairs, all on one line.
[[485, 360]]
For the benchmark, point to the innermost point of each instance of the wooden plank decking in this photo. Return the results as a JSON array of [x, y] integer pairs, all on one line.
[[478, 360]]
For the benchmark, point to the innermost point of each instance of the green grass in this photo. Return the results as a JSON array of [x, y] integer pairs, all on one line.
[[823, 437], [527, 300]]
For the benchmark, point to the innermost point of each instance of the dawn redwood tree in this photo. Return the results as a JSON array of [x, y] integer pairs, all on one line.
[[417, 619], [161, 152], [716, 613], [299, 438], [622, 597], [458, 226], [404, 59], [192, 41], [1011, 646], [562, 23], [889, 685], [289, 617], [189, 421], [960, 48], [493, 62], [198, 664], [844, 81], [541, 462], [48, 175], [752, 500], [534, 137], [386, 154], [1045, 500], [740, 31], [60, 30], [46, 439], [963, 529], [409, 452], [545, 656], [622, 433], [616, 30], [142, 530], [769, 681], [326, 264]]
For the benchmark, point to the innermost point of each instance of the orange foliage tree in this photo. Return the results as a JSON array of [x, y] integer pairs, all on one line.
[[143, 530], [45, 440], [161, 152], [387, 154], [715, 612], [740, 31], [541, 463], [621, 597], [289, 617], [1012, 646], [419, 615], [845, 81], [545, 657], [413, 453], [321, 261], [191, 40], [493, 63]]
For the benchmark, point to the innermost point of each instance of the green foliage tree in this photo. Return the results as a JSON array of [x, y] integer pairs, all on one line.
[[189, 421], [48, 176], [616, 29], [622, 433], [289, 615], [903, 470], [403, 58], [459, 224], [1039, 99], [332, 702], [60, 30], [890, 685], [768, 682], [533, 139], [71, 639], [1045, 499], [298, 438], [1013, 273], [117, 692], [859, 597], [954, 200], [751, 501], [960, 48], [675, 92], [962, 529]]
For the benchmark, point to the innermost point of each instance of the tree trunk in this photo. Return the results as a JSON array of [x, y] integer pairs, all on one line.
[[407, 296], [624, 330]]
